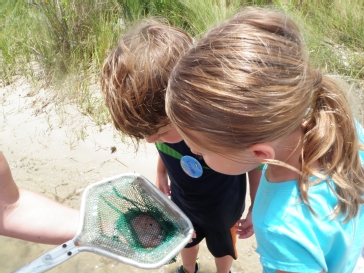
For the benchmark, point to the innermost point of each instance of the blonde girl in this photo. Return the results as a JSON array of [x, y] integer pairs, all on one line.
[[246, 94]]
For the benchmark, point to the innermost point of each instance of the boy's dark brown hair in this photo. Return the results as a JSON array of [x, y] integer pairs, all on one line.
[[135, 76]]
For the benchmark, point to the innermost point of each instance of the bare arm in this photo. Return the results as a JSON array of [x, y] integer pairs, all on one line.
[[245, 226], [254, 179], [162, 177], [30, 216]]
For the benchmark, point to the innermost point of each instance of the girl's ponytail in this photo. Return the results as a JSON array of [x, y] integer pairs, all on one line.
[[331, 139]]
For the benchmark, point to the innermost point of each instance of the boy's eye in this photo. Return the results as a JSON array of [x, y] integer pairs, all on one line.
[[163, 134], [198, 155]]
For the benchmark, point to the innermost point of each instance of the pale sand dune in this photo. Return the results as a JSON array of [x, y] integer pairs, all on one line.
[[57, 151]]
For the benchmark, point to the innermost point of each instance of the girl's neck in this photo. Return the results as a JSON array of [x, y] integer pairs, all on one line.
[[287, 150]]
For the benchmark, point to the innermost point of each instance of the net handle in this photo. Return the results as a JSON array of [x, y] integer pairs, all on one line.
[[50, 259]]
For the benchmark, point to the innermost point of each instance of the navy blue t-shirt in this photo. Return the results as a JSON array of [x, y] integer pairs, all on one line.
[[214, 200]]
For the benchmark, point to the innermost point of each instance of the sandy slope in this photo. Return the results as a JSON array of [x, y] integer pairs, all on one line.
[[55, 150]]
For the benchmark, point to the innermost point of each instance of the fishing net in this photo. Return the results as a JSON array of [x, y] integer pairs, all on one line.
[[125, 218]]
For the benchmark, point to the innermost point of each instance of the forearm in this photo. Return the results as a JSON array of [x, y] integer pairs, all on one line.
[[161, 168], [254, 179], [162, 177], [37, 218], [245, 226]]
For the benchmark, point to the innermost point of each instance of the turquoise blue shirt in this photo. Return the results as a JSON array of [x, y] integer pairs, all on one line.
[[291, 238]]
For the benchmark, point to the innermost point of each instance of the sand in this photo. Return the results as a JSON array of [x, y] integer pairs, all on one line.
[[55, 150]]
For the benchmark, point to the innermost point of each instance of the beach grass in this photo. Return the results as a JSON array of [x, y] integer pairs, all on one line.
[[62, 43]]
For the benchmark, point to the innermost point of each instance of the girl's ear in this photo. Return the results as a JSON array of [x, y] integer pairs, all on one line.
[[262, 151]]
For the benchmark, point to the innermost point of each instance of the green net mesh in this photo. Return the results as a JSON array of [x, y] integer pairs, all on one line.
[[126, 217]]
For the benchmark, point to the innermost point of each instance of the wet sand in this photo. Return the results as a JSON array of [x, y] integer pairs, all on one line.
[[55, 150]]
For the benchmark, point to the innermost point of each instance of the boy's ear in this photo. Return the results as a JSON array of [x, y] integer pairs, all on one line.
[[262, 151]]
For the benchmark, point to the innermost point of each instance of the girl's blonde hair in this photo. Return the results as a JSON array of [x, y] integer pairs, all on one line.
[[249, 81]]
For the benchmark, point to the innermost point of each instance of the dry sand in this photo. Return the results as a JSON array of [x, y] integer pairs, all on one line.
[[55, 150]]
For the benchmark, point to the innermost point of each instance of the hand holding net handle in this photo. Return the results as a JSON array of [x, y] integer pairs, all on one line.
[[107, 202]]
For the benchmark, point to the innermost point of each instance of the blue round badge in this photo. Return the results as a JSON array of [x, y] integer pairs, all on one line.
[[191, 166]]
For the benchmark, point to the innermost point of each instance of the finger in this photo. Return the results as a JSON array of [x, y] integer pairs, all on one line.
[[246, 235], [193, 237], [167, 191]]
